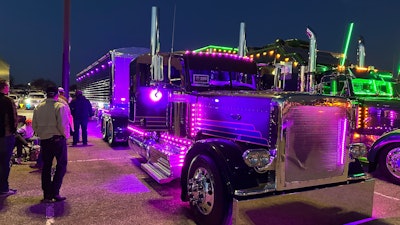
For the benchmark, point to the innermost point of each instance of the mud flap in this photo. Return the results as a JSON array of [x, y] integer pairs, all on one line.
[[330, 205]]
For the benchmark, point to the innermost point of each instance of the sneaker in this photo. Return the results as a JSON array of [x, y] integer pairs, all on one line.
[[35, 166], [59, 198], [18, 160], [46, 200], [8, 193]]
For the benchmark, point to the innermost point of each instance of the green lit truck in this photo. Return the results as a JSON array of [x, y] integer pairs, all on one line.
[[376, 108]]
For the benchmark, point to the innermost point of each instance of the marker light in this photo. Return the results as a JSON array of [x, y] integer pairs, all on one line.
[[155, 95]]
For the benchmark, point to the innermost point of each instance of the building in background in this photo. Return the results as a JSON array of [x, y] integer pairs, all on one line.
[[4, 70]]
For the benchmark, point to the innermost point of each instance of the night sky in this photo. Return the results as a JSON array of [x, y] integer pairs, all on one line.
[[32, 31]]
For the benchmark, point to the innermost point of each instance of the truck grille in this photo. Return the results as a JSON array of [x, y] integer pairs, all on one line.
[[315, 142]]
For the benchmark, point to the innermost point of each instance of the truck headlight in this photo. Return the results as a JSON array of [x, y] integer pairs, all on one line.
[[259, 159], [357, 150]]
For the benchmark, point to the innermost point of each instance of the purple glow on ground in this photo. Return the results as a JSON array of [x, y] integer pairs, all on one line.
[[126, 184], [94, 129]]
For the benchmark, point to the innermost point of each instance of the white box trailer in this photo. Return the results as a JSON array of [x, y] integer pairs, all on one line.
[[106, 84]]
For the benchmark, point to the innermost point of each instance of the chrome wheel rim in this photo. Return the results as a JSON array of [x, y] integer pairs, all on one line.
[[201, 190], [393, 162]]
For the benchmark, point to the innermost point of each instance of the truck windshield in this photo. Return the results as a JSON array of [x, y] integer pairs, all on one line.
[[217, 78], [359, 87], [372, 87], [220, 72]]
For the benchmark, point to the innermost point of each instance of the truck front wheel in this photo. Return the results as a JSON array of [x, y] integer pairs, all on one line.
[[389, 163], [209, 201]]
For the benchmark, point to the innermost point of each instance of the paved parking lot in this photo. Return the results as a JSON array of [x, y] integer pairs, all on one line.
[[106, 186]]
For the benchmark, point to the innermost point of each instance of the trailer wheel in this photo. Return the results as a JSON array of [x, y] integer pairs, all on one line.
[[104, 129], [389, 163], [110, 134], [209, 201]]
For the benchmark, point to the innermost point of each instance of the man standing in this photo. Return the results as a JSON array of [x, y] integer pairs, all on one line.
[[65, 101], [8, 127], [61, 95], [81, 110], [51, 124]]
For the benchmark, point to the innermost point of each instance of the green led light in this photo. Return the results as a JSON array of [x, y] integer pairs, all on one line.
[[358, 175], [216, 48], [347, 44], [372, 87]]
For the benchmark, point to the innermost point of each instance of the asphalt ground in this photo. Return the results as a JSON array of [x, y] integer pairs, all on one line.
[[105, 185]]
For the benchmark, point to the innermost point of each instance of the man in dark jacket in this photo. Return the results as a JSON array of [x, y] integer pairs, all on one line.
[[8, 127], [81, 110]]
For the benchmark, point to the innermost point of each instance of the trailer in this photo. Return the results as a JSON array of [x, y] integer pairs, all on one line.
[[106, 84], [198, 117]]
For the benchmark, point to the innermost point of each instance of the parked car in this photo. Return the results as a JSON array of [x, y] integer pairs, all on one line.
[[15, 98], [33, 99]]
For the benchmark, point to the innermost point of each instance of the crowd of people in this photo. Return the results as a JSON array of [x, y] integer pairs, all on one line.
[[52, 123]]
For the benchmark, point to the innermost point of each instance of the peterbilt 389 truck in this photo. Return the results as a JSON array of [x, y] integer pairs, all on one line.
[[372, 92], [198, 117], [223, 139], [106, 84], [376, 110]]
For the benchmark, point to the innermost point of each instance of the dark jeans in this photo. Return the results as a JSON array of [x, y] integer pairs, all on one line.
[[80, 124], [55, 147], [6, 150], [19, 143]]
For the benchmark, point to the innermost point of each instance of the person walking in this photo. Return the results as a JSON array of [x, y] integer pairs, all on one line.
[[51, 124], [8, 127], [81, 110]]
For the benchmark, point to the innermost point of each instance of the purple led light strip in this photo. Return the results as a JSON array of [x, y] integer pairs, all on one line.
[[342, 149], [219, 54]]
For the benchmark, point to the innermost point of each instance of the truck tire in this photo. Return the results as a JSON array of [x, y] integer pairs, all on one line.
[[104, 129], [110, 134], [209, 202], [389, 163]]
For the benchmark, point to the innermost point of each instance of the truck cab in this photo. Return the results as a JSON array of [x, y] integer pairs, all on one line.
[[203, 121]]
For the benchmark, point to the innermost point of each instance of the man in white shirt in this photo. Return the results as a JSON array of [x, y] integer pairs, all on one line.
[[51, 124]]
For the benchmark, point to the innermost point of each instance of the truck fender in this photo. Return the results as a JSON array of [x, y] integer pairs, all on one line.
[[383, 141], [226, 154]]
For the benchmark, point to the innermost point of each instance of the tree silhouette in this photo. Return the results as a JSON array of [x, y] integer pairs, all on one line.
[[41, 84]]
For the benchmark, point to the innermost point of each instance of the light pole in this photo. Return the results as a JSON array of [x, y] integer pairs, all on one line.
[[66, 48]]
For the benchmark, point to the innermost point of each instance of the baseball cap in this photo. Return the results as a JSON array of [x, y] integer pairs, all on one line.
[[60, 89], [78, 93], [51, 91]]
